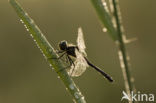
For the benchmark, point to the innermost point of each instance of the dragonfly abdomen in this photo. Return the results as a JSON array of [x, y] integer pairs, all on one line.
[[99, 70]]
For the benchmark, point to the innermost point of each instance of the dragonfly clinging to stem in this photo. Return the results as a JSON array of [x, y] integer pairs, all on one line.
[[80, 62]]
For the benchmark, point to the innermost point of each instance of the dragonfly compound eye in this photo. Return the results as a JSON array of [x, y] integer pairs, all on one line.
[[63, 45]]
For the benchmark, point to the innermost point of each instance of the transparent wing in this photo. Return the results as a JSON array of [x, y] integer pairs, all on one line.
[[80, 65], [80, 42]]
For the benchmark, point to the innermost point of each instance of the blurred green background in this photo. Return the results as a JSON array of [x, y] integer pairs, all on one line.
[[26, 77]]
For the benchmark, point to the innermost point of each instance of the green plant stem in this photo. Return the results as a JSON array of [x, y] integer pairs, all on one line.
[[48, 52], [122, 50], [117, 35], [106, 19]]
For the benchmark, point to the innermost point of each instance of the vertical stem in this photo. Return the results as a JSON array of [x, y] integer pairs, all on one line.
[[122, 51], [115, 29]]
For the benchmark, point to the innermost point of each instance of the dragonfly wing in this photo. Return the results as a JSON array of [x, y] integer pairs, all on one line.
[[80, 65], [80, 42]]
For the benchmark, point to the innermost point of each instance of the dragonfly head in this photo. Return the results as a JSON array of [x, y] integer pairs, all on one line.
[[63, 45]]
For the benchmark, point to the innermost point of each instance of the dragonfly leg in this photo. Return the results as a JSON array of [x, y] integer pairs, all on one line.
[[59, 51], [68, 59], [71, 63]]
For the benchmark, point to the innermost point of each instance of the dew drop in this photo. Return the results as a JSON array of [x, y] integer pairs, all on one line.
[[25, 25], [71, 86], [111, 6], [104, 4], [104, 29], [121, 59], [82, 97], [43, 54], [52, 68], [31, 35], [21, 21], [26, 14], [74, 101], [31, 21], [76, 94], [50, 65], [27, 29]]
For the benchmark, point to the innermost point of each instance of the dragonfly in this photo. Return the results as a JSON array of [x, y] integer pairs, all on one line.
[[77, 57]]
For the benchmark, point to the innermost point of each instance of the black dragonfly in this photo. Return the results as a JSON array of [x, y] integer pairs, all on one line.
[[77, 57]]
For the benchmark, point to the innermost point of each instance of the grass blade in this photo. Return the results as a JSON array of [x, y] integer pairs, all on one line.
[[106, 19], [48, 52]]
